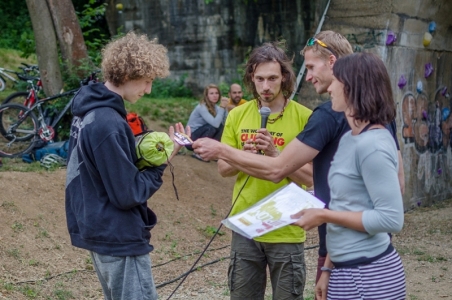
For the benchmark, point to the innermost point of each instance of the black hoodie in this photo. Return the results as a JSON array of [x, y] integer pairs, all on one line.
[[106, 195]]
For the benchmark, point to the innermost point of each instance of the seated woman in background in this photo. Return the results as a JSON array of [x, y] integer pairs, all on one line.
[[207, 119], [366, 201]]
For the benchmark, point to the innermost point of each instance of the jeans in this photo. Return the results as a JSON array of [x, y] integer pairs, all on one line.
[[247, 273], [126, 277]]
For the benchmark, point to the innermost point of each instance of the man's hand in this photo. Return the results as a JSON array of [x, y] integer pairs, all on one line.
[[264, 142], [208, 149]]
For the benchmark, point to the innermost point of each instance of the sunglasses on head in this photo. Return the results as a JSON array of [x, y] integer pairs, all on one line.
[[313, 41]]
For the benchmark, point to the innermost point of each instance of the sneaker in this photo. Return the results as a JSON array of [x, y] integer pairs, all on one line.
[[194, 155]]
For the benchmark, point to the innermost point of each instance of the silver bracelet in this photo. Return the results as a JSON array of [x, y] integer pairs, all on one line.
[[326, 269]]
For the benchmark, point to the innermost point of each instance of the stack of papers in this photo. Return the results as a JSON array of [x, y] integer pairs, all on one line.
[[272, 212]]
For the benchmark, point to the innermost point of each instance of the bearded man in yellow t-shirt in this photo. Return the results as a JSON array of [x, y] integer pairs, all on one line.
[[269, 75]]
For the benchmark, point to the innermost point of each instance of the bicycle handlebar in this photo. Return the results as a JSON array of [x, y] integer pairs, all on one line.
[[31, 67], [90, 79]]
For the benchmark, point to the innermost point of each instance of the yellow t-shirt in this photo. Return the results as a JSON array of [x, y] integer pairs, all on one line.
[[241, 125], [242, 101]]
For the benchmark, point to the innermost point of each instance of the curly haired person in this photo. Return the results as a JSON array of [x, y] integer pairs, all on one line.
[[106, 195]]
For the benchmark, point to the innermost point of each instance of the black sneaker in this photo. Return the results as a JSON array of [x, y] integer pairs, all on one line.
[[199, 157]]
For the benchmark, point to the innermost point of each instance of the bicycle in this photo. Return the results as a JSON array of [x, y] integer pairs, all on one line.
[[21, 129], [24, 76]]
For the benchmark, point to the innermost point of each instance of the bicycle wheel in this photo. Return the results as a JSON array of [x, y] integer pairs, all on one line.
[[2, 84], [18, 98], [19, 130]]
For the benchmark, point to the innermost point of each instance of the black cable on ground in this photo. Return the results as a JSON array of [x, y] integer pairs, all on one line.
[[208, 244], [186, 255], [190, 271]]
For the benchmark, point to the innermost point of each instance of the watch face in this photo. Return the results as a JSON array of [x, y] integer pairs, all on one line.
[[182, 139]]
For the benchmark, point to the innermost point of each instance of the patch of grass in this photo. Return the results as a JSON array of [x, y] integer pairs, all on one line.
[[33, 262], [6, 285], [42, 233], [29, 291], [167, 110], [213, 211], [418, 252], [403, 250], [16, 164], [209, 231], [17, 227], [8, 205], [15, 253], [61, 293], [431, 259]]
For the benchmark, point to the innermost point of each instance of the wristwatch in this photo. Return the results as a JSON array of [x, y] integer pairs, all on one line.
[[326, 269]]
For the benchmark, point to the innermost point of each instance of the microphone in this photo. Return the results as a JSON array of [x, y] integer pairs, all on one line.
[[265, 112]]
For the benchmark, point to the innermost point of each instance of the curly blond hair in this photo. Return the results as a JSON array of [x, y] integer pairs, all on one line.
[[205, 99], [132, 57]]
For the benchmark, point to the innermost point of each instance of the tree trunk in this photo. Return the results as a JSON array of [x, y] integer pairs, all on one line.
[[111, 15], [69, 33], [46, 46]]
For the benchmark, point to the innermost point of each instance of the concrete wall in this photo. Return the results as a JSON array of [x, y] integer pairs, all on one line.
[[424, 120], [209, 40]]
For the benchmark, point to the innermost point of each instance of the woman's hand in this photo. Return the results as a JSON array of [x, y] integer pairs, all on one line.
[[224, 102], [309, 218], [321, 288]]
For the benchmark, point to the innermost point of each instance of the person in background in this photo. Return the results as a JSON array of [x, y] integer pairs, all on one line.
[[366, 201], [271, 79], [318, 141], [208, 118], [106, 194], [235, 96]]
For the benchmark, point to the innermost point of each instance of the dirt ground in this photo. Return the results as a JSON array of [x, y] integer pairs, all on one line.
[[37, 260]]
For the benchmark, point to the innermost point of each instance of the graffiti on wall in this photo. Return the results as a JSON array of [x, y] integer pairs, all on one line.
[[427, 124], [364, 40]]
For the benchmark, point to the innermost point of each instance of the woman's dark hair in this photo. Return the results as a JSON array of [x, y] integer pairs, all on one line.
[[270, 52], [367, 87]]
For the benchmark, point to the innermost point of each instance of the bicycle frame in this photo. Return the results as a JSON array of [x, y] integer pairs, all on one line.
[[3, 73], [47, 131]]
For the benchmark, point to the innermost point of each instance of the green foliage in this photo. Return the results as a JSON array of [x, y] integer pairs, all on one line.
[[15, 25], [95, 36], [27, 44], [224, 89], [166, 87]]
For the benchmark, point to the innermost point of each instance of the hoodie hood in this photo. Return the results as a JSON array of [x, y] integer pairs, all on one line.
[[96, 95]]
